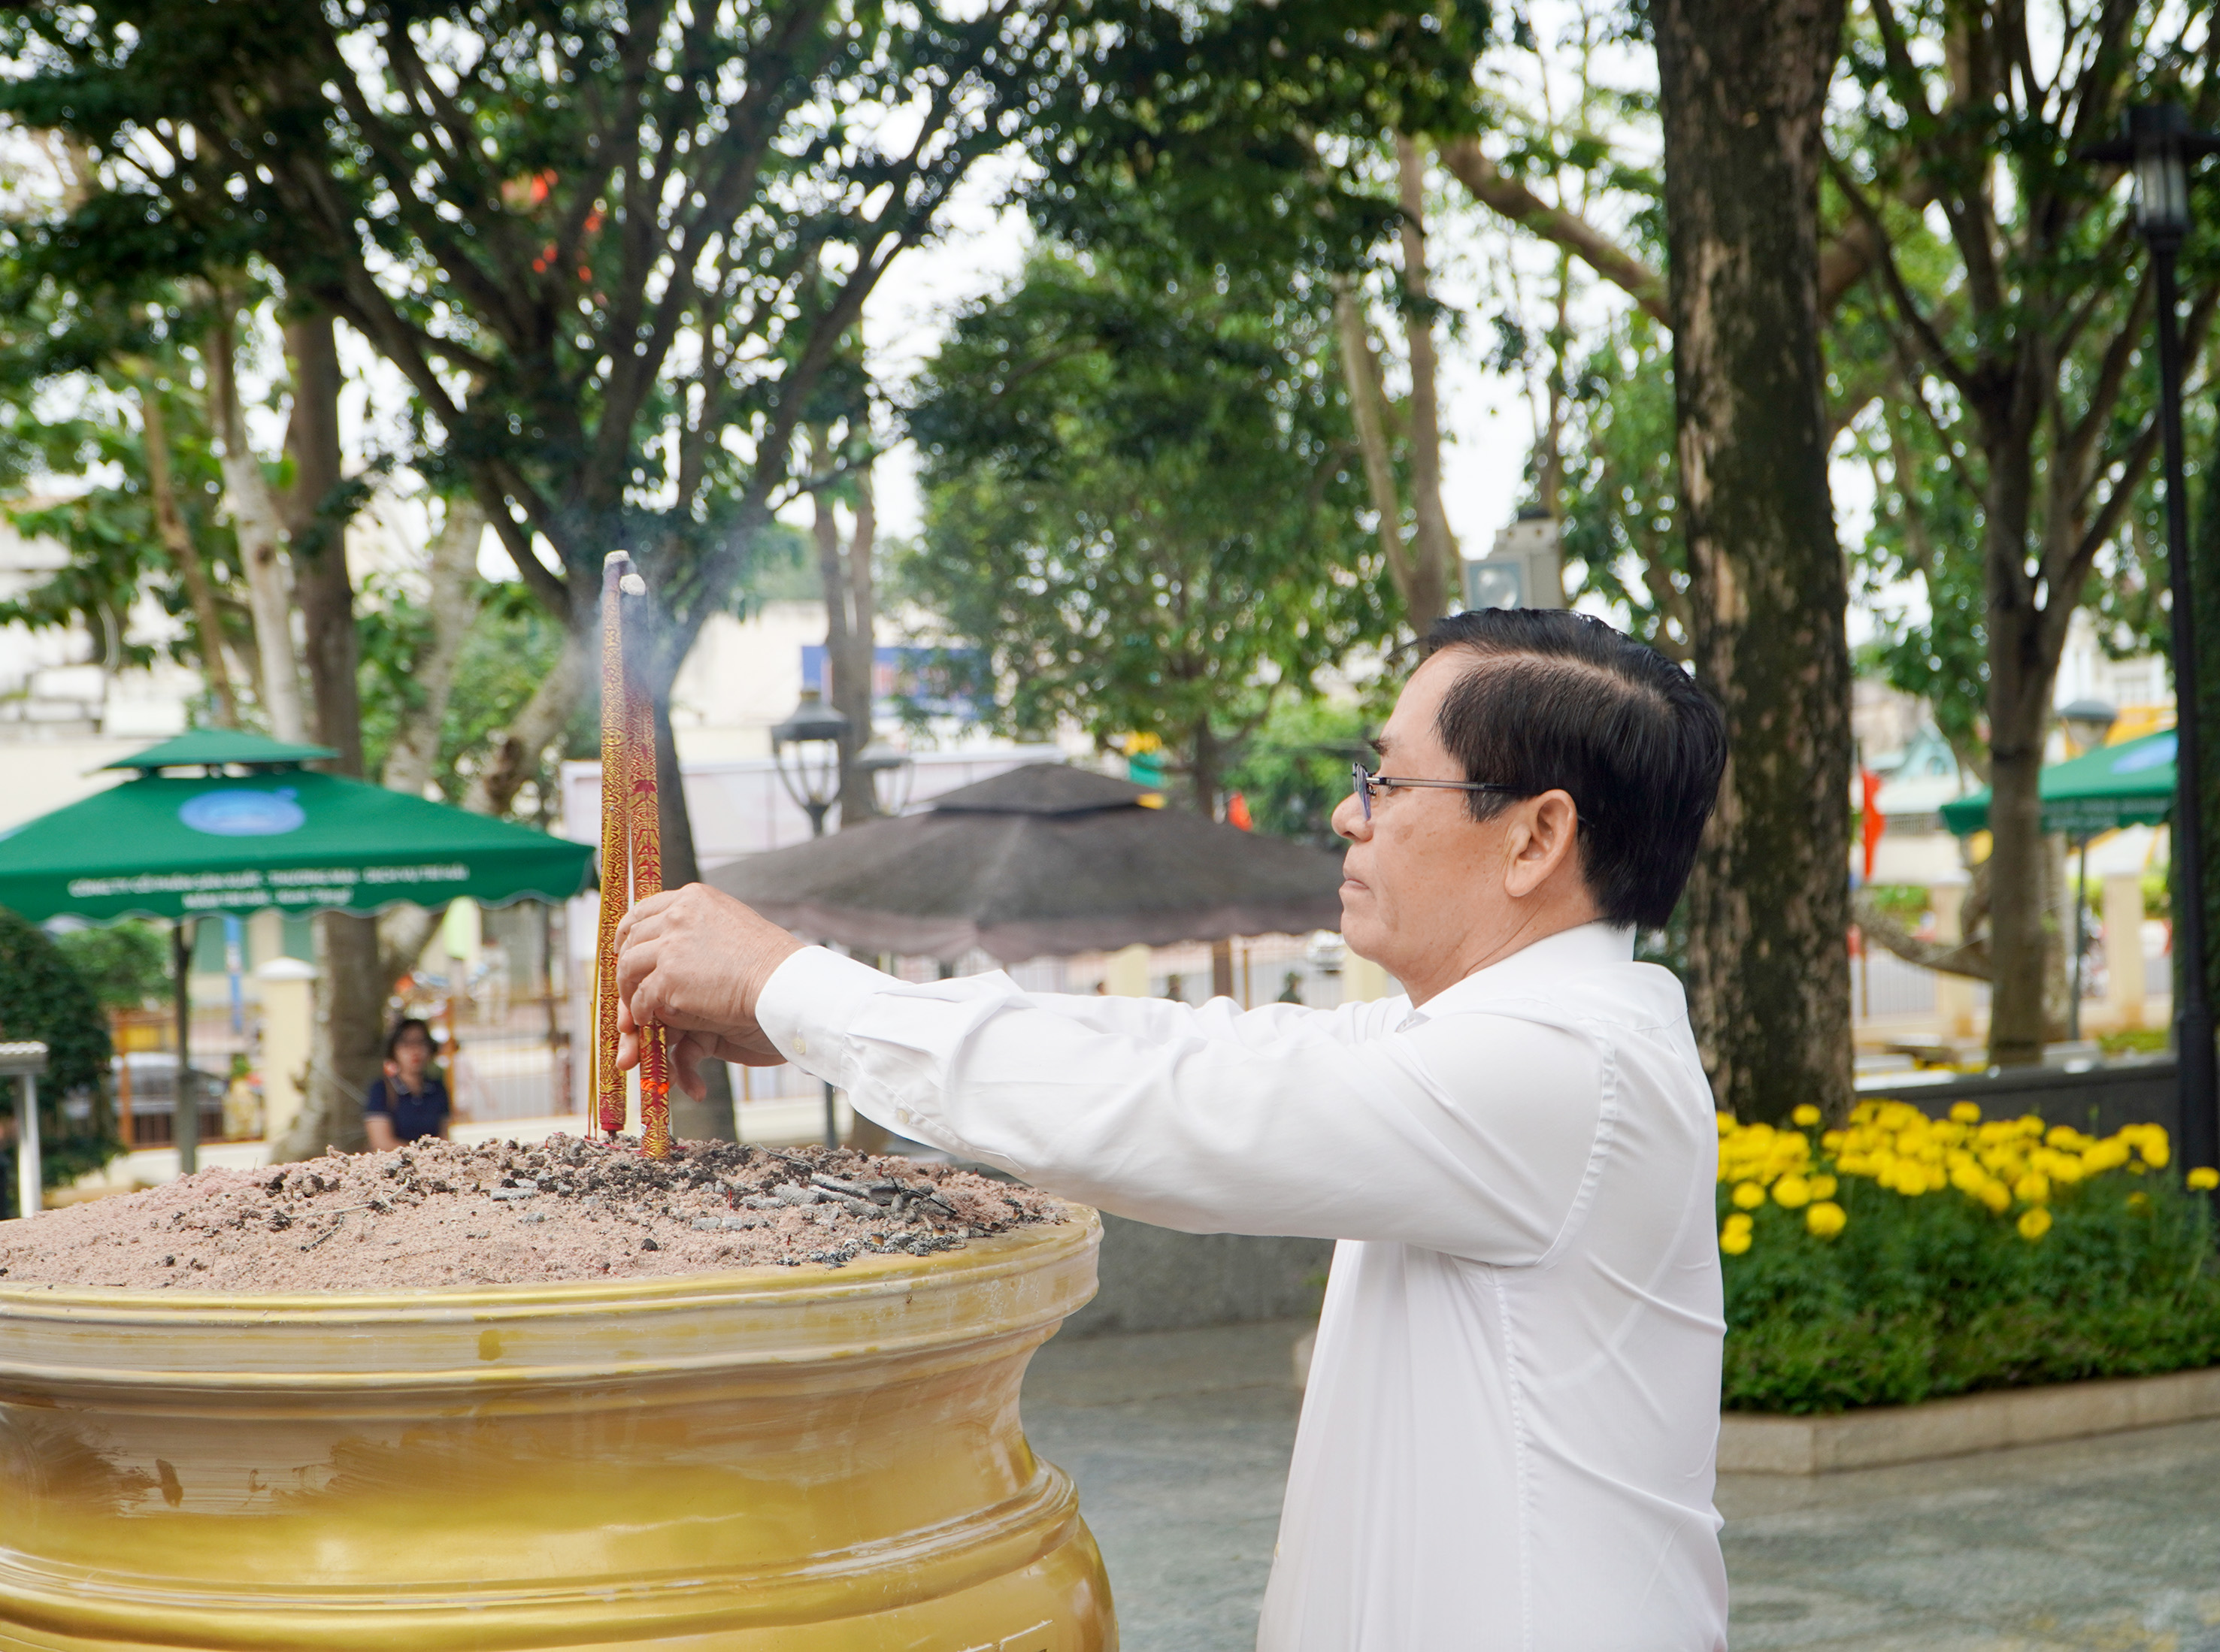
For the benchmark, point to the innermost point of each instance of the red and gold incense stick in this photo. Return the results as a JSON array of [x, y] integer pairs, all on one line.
[[632, 864], [617, 863], [646, 831]]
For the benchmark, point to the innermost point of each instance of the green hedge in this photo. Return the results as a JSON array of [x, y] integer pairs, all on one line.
[[1945, 1276]]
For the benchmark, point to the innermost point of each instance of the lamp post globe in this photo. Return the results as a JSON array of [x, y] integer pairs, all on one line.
[[806, 747], [2088, 723], [892, 771]]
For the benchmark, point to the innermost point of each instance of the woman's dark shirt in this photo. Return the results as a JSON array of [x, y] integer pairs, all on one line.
[[413, 1117]]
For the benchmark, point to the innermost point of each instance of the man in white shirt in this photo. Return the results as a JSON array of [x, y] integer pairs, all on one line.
[[1509, 1435]]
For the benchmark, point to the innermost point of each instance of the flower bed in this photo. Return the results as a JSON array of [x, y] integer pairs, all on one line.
[[1904, 1258]]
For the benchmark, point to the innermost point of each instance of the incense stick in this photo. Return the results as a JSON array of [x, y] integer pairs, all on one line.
[[617, 863], [646, 832]]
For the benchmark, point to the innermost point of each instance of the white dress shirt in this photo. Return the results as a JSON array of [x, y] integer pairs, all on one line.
[[1509, 1435]]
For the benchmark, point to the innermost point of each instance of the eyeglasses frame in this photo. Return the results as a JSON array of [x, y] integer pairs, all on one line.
[[1364, 783]]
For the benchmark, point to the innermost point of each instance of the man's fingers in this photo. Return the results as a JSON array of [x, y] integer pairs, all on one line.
[[627, 1051], [647, 906]]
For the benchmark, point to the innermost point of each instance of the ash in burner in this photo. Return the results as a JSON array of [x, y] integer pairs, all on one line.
[[438, 1213]]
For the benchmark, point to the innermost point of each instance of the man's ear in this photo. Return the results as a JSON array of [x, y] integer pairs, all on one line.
[[1544, 835]]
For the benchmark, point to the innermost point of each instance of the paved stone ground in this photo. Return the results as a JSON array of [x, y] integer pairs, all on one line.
[[1179, 1440]]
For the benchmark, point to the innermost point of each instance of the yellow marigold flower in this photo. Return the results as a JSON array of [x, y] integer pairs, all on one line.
[[1966, 1112], [2138, 1202], [2156, 1152], [1825, 1218], [1791, 1193], [2034, 1224], [1734, 1240], [2101, 1157], [1807, 1115], [2203, 1178], [2033, 1189], [1823, 1187], [1748, 1195], [1995, 1196], [2066, 1168], [1726, 1124], [1863, 1113]]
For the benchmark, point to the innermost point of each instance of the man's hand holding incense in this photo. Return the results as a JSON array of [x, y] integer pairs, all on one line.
[[693, 961]]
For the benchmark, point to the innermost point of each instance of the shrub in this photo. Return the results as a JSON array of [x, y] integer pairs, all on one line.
[[1905, 1258], [43, 997]]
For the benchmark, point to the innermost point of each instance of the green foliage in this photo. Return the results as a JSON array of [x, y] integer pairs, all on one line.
[[1919, 1298], [1294, 769], [1143, 506], [512, 644], [126, 965], [1621, 535], [1227, 118], [2135, 1041], [43, 997]]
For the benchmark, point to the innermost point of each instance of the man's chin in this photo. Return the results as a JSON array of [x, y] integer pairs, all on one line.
[[1361, 931]]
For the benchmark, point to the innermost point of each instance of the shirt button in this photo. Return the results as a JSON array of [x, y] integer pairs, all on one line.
[[901, 1115], [801, 1046]]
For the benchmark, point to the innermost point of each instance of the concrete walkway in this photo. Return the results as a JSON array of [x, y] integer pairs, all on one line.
[[1180, 1441]]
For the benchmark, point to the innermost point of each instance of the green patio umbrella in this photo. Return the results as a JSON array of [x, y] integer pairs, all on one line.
[[166, 846], [2124, 785], [254, 830]]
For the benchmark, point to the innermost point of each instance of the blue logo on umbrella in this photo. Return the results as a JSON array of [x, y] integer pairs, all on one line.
[[2159, 751], [243, 814]]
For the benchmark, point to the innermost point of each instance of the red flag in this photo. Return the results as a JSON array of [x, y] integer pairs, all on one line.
[[1870, 822], [1236, 813]]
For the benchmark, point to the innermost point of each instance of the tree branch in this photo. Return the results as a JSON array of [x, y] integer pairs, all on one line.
[[1463, 159]]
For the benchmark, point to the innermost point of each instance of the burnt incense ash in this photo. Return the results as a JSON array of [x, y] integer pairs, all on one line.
[[438, 1213]]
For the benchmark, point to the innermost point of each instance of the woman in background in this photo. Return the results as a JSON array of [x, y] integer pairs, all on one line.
[[409, 1102]]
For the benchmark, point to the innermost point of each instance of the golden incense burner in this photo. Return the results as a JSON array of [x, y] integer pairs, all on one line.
[[769, 1458]]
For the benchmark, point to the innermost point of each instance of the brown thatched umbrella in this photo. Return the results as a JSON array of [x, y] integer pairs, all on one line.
[[1042, 861]]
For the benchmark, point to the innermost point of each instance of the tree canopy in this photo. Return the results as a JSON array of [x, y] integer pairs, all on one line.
[[1143, 508]]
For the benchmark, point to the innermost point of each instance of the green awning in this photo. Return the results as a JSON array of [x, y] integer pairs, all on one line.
[[200, 748], [289, 839], [2124, 785]]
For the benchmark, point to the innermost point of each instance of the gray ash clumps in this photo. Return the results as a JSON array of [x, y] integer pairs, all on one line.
[[440, 1214]]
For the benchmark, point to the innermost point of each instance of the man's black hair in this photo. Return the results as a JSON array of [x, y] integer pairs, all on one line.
[[1556, 700]]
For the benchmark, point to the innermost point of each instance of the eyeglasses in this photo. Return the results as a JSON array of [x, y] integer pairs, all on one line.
[[1367, 786]]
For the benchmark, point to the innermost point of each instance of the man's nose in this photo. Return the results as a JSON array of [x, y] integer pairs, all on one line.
[[1349, 819]]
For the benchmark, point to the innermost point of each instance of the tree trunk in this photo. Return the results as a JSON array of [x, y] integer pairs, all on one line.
[[347, 1040], [845, 575], [1367, 408], [257, 520], [1742, 85], [177, 541], [2019, 703], [1433, 551], [413, 756]]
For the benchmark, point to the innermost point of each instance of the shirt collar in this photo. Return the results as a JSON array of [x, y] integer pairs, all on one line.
[[1569, 951]]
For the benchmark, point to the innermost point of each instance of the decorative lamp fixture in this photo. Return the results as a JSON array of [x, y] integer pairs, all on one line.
[[892, 771], [812, 779], [2088, 723]]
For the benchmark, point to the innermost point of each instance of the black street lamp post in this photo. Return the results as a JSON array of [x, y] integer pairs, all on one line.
[[2156, 142], [813, 734]]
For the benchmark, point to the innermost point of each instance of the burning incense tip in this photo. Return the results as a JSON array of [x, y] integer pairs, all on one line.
[[633, 585], [616, 556]]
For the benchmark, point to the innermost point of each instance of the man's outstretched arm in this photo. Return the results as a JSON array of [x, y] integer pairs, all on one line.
[[1430, 1136]]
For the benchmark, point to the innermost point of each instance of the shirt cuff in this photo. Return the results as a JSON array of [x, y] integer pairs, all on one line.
[[807, 1005]]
